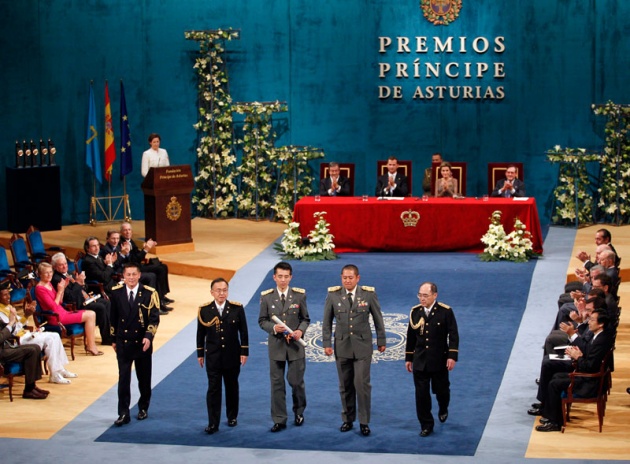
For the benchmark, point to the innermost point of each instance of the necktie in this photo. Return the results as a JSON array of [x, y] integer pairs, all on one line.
[[282, 298], [350, 298], [427, 311], [131, 299], [220, 310]]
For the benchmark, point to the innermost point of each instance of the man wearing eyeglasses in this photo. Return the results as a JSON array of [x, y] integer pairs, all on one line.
[[222, 339], [431, 352]]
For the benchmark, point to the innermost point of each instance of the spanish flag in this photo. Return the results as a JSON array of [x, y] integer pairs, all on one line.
[[110, 149]]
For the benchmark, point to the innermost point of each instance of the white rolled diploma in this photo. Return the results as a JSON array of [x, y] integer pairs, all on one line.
[[287, 329]]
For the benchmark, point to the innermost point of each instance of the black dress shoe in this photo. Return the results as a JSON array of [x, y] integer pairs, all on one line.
[[543, 420], [426, 432], [443, 415], [548, 427], [299, 419], [365, 430], [535, 412], [163, 307], [537, 405], [167, 300], [33, 395], [211, 429], [122, 419], [232, 423], [277, 427], [142, 414], [346, 426], [163, 313]]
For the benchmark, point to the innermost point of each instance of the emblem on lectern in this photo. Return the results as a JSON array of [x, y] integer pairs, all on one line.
[[410, 218], [173, 209], [441, 12]]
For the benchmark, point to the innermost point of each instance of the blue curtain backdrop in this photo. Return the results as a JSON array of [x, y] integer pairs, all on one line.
[[321, 58]]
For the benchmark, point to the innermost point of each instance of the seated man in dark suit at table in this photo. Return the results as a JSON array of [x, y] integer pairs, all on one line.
[[510, 186], [335, 185], [392, 184]]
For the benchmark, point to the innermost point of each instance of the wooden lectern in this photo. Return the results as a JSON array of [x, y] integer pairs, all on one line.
[[167, 204]]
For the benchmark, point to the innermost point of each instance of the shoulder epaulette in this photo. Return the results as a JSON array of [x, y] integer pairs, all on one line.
[[298, 290], [205, 304], [334, 289], [266, 292], [416, 307], [367, 289], [235, 303], [151, 289], [444, 305], [116, 287]]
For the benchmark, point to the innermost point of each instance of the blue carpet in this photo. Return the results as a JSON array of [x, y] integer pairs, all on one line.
[[488, 300]]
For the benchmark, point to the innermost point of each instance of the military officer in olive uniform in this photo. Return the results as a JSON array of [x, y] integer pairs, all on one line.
[[351, 307], [222, 337], [135, 316], [431, 351], [288, 305]]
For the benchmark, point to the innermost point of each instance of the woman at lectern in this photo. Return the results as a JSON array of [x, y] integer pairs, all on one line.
[[446, 186], [155, 156]]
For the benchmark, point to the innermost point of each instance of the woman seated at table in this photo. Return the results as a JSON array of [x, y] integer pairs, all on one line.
[[50, 300], [446, 185]]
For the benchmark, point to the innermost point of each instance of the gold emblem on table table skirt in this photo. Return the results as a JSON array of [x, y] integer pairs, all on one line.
[[410, 218], [174, 209]]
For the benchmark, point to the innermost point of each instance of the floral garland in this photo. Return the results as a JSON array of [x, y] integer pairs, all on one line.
[[516, 246], [216, 181], [295, 178], [615, 162], [259, 155], [317, 246], [573, 174]]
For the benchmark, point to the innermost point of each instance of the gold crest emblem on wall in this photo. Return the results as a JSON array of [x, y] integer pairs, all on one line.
[[441, 12], [173, 209]]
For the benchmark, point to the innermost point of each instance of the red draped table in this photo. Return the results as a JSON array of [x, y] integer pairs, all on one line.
[[441, 224]]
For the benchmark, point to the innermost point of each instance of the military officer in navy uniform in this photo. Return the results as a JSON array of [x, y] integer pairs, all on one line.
[[351, 307], [288, 305], [135, 316], [431, 352], [222, 338]]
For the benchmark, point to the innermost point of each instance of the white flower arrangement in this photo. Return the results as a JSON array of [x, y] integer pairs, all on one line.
[[516, 246], [317, 246]]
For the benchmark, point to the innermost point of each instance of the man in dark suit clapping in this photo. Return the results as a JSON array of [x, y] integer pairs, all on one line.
[[510, 186], [335, 185], [392, 184]]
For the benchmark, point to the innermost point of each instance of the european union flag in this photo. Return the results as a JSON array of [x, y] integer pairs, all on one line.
[[92, 152], [126, 164]]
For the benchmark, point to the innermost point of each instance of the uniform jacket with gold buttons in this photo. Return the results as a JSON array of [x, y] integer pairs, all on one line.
[[130, 325], [353, 334], [223, 339], [435, 339], [293, 313]]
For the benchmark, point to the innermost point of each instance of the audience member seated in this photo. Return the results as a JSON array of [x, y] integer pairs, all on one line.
[[76, 294], [426, 180], [392, 184], [48, 342], [99, 269], [28, 355], [119, 251], [587, 359], [157, 272], [509, 187], [50, 300], [335, 185], [602, 237], [446, 185]]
